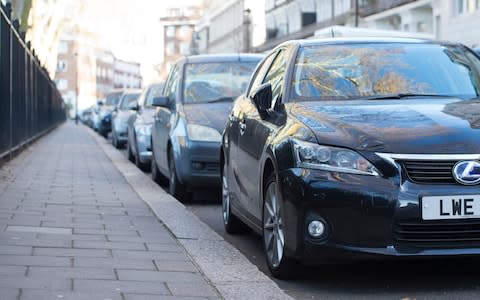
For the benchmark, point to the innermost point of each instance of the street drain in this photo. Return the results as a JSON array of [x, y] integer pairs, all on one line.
[[53, 230]]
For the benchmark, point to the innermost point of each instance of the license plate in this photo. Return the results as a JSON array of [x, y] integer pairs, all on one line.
[[450, 207]]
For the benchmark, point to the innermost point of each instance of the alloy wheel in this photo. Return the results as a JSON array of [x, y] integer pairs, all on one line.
[[225, 196], [273, 232]]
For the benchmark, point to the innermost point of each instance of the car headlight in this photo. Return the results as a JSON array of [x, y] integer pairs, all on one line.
[[144, 129], [314, 156], [203, 133]]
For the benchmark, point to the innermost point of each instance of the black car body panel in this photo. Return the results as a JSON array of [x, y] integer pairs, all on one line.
[[412, 142]]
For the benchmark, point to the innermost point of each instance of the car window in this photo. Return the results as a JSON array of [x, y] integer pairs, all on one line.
[[153, 92], [275, 76], [343, 72], [141, 98], [128, 99], [216, 81], [113, 99], [171, 85], [259, 74]]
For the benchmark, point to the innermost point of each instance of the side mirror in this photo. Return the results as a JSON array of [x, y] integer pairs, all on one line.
[[133, 106], [160, 101], [262, 98], [99, 102]]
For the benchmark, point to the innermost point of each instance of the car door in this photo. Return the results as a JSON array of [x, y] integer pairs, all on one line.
[[253, 134], [134, 119], [162, 121], [241, 105]]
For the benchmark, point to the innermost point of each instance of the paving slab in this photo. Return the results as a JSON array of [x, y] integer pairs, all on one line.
[[73, 227]]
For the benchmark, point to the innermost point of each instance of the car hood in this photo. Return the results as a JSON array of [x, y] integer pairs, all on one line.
[[213, 115], [439, 126]]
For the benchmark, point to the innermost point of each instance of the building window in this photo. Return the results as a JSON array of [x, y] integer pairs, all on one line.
[[185, 48], [185, 31], [421, 26], [466, 6], [62, 84], [170, 49], [171, 31], [62, 66], [62, 48]]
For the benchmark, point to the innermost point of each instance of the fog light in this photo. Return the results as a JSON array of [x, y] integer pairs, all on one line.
[[316, 229], [198, 165]]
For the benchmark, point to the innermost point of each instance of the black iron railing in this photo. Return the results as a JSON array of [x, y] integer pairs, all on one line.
[[30, 103]]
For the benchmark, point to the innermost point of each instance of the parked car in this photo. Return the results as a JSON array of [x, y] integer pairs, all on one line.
[[343, 148], [104, 116], [87, 116], [120, 116], [192, 112], [139, 128]]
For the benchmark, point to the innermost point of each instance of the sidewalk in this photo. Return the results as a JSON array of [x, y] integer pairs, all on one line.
[[75, 224]]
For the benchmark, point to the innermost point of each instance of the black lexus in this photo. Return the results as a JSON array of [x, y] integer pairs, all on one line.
[[349, 148]]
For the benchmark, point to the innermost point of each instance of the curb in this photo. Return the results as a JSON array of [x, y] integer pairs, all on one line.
[[228, 270]]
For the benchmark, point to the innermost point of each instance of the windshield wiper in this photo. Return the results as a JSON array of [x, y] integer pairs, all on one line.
[[407, 95], [221, 99]]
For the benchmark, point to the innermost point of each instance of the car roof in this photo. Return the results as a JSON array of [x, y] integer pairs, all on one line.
[[206, 58], [364, 40]]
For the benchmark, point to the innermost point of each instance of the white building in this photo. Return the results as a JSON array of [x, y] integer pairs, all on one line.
[[230, 26], [452, 20]]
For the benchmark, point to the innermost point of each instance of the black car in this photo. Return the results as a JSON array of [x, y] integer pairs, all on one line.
[[190, 117], [139, 128], [356, 147], [104, 115]]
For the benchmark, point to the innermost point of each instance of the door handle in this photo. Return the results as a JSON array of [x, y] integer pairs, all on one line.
[[242, 126]]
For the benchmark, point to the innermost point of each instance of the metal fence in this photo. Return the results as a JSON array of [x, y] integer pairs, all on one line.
[[30, 103]]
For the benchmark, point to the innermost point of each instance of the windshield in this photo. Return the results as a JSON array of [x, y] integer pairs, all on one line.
[[207, 82], [113, 99], [127, 99], [341, 72]]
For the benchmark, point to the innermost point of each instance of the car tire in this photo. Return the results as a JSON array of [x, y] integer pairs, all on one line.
[[115, 142], [280, 265], [156, 175], [129, 153], [232, 224], [175, 187]]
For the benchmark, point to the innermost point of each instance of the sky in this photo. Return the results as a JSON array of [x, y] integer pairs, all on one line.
[[131, 28]]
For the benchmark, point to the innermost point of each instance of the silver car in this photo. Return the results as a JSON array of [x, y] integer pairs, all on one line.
[[139, 127], [120, 117]]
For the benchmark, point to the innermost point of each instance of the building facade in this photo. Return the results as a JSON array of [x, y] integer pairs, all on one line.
[[230, 26], [452, 20], [178, 27], [75, 73], [105, 65], [126, 75]]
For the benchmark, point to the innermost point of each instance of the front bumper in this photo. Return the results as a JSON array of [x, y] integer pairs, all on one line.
[[198, 163], [144, 148], [369, 216]]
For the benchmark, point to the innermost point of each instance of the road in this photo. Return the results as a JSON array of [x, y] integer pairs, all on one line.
[[426, 279]]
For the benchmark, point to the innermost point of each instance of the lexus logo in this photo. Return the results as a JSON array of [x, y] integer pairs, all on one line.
[[467, 172]]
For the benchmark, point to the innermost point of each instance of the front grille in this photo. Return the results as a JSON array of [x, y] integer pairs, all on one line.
[[429, 171], [451, 233], [212, 167]]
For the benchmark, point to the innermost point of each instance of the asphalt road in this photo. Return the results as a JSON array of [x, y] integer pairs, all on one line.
[[425, 279]]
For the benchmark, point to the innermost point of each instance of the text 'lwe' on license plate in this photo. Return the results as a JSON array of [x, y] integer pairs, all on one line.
[[450, 207]]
